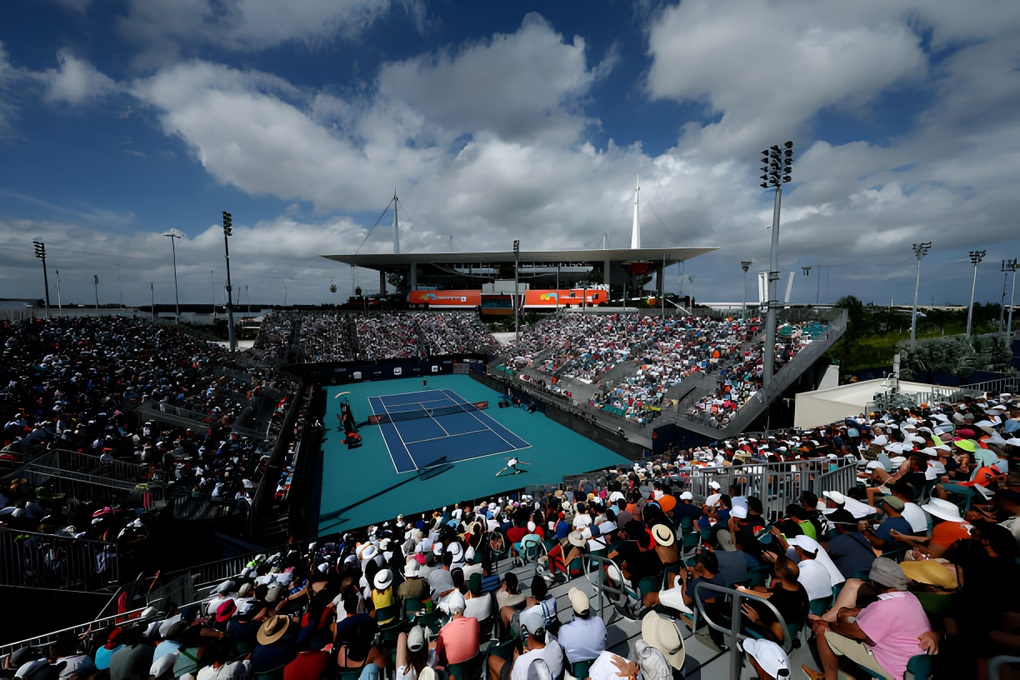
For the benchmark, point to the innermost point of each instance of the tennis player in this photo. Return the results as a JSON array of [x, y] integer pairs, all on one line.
[[511, 464]]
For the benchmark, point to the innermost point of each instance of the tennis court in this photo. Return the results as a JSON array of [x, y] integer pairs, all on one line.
[[425, 427], [370, 483]]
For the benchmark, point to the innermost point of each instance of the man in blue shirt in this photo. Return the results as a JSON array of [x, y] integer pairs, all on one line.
[[850, 550], [881, 537]]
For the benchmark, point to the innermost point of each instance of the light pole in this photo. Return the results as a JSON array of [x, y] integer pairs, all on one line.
[[517, 302], [173, 235], [744, 265], [975, 259], [776, 166], [60, 307], [212, 280], [806, 270], [95, 282], [40, 252], [920, 250], [228, 223], [247, 295], [1011, 265]]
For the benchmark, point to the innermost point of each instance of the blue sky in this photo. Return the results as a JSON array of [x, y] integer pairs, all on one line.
[[495, 121]]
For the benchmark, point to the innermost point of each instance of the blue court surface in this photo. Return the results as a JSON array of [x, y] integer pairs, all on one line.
[[393, 472], [425, 438]]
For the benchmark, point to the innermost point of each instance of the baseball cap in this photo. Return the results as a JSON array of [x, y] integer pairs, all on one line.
[[687, 496], [533, 620], [894, 503], [416, 638], [579, 601], [887, 573]]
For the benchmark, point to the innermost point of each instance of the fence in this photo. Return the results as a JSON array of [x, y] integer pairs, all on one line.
[[893, 399], [994, 387], [776, 484], [36, 560], [84, 476]]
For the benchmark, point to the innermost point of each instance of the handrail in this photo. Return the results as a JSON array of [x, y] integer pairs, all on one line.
[[736, 658], [996, 662], [776, 484], [34, 559]]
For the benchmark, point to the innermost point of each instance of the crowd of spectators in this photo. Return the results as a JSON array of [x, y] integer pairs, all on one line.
[[663, 352], [352, 336], [917, 558], [72, 387]]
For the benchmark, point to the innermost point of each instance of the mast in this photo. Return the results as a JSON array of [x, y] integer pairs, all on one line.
[[396, 231], [635, 230]]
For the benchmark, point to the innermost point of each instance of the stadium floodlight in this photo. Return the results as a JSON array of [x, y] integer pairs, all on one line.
[[776, 166], [40, 253], [975, 259], [1009, 266], [920, 250], [173, 235], [517, 302], [228, 223], [744, 265]]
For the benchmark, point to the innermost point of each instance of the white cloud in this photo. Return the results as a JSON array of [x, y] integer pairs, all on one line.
[[766, 69], [491, 140], [521, 86], [75, 81], [164, 28]]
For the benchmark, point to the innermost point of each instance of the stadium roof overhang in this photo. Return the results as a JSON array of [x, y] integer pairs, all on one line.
[[391, 262], [612, 267]]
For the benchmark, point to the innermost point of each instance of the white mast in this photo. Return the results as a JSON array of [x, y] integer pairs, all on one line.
[[635, 230], [396, 230]]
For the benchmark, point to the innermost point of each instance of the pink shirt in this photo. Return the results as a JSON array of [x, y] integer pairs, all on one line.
[[458, 640], [893, 623]]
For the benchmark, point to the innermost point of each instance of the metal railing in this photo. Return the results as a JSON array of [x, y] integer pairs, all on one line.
[[37, 560], [776, 484], [86, 477], [83, 466], [737, 598], [994, 387], [894, 398]]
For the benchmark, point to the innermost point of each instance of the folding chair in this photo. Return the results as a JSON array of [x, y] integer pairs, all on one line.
[[531, 550], [497, 546], [609, 582], [689, 545]]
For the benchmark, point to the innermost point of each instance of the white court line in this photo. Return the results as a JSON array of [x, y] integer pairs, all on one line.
[[486, 426], [397, 430], [458, 434]]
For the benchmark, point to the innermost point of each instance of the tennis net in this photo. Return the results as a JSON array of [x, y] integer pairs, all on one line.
[[399, 416]]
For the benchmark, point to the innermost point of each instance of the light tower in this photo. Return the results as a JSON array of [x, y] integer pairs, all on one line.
[[228, 223], [40, 252], [776, 166], [920, 250], [517, 302], [975, 259]]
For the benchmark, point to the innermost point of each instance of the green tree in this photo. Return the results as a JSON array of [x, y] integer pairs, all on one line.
[[953, 356]]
